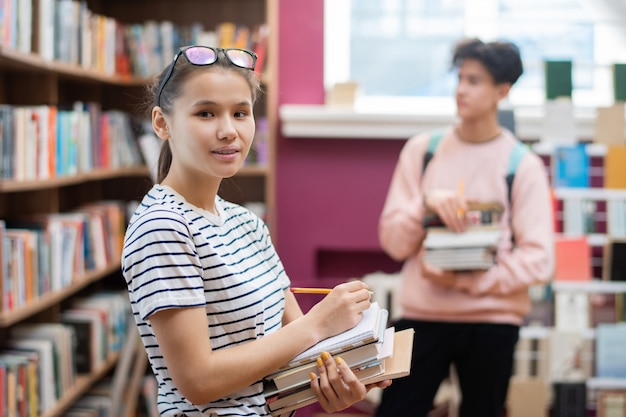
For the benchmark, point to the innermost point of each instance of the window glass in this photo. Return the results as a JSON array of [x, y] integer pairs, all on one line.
[[402, 48]]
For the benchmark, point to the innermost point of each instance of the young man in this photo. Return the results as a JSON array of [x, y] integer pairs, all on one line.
[[467, 318]]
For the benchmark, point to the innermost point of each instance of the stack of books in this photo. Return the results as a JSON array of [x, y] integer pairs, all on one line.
[[372, 351], [473, 249]]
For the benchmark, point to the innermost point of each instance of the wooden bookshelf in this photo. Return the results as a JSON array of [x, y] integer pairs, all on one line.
[[29, 79]]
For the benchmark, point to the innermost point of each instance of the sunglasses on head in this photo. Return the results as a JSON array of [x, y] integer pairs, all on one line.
[[206, 55]]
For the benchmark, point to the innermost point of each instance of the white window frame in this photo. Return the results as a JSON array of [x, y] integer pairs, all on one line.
[[609, 45]]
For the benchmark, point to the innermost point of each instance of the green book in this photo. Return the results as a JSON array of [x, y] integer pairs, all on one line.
[[558, 78], [619, 82]]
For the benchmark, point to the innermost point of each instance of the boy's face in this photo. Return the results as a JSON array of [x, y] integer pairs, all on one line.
[[477, 95]]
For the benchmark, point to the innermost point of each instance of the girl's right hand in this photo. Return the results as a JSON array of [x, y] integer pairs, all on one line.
[[341, 309]]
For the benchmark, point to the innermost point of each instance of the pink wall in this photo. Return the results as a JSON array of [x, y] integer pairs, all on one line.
[[329, 191]]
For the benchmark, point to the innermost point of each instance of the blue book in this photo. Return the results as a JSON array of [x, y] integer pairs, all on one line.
[[610, 357], [571, 166]]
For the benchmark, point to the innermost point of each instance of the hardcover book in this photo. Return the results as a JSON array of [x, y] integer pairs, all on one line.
[[397, 365]]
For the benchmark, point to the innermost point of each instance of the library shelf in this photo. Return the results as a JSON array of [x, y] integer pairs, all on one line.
[[13, 316], [31, 80], [10, 186], [606, 383], [12, 59], [593, 286], [83, 383]]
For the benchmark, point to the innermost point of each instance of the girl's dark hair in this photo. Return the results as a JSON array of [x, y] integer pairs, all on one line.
[[173, 89], [502, 59]]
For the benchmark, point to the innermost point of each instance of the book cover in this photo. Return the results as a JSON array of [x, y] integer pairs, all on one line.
[[62, 338], [474, 237], [616, 218], [303, 393], [86, 342], [571, 166], [572, 311], [611, 403], [558, 79], [610, 358], [614, 268], [615, 167], [619, 82], [397, 365], [610, 125], [46, 368], [355, 358], [572, 259]]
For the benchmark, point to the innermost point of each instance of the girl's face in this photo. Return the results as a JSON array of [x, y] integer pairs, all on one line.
[[212, 125], [477, 95]]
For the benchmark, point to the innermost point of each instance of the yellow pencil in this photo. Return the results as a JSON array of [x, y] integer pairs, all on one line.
[[459, 192], [297, 290]]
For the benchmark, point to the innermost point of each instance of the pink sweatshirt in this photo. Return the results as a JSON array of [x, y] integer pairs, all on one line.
[[500, 294]]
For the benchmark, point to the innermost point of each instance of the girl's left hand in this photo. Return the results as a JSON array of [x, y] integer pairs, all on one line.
[[337, 387], [438, 276]]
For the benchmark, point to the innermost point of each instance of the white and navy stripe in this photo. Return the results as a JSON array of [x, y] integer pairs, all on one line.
[[176, 256]]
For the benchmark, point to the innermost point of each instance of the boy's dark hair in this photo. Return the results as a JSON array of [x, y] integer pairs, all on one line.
[[502, 59]]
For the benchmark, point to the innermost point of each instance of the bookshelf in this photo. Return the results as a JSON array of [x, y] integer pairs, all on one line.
[[30, 78]]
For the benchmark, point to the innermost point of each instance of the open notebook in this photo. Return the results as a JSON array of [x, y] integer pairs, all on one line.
[[368, 330]]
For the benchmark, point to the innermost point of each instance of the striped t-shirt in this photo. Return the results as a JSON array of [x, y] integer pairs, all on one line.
[[177, 255]]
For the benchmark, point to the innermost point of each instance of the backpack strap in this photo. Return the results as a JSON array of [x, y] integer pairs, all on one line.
[[517, 153], [433, 142]]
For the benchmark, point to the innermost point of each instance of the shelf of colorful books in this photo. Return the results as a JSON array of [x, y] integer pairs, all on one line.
[[53, 298], [594, 286], [82, 385], [8, 186]]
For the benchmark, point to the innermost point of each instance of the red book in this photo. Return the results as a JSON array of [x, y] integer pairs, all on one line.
[[573, 259]]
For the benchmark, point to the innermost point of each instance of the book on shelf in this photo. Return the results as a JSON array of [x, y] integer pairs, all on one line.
[[558, 79], [616, 218], [570, 355], [614, 166], [89, 328], [572, 311], [397, 365], [610, 125], [571, 166], [46, 367], [614, 268], [15, 367], [619, 82], [572, 259], [611, 403], [610, 358], [62, 338], [28, 397]]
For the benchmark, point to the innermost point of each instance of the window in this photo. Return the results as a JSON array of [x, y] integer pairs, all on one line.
[[400, 50]]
